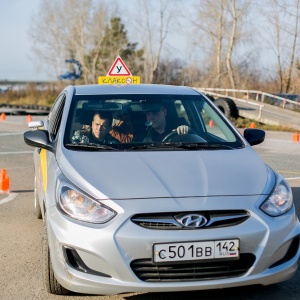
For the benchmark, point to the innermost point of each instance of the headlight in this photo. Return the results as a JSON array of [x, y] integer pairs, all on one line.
[[83, 208], [279, 201]]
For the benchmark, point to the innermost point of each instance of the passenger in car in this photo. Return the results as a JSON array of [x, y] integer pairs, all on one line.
[[159, 128], [122, 128], [99, 132]]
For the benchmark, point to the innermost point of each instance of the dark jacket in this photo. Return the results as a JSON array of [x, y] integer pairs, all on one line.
[[154, 136], [86, 137]]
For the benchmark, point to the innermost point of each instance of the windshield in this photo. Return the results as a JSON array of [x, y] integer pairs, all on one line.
[[124, 122]]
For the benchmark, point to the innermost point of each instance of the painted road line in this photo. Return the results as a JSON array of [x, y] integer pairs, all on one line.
[[10, 197], [293, 178], [11, 133], [289, 172], [19, 152]]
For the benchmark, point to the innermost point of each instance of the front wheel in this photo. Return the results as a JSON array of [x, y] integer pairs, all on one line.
[[51, 284]]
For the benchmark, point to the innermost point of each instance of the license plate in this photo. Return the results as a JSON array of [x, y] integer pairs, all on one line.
[[196, 250]]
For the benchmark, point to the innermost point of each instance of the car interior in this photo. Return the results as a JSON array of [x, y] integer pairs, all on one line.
[[198, 119]]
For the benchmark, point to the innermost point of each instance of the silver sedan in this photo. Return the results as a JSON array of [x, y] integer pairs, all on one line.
[[149, 188]]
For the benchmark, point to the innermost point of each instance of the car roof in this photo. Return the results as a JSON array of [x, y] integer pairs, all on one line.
[[96, 89]]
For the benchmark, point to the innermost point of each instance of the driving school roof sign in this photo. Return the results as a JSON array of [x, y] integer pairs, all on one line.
[[118, 68], [119, 74]]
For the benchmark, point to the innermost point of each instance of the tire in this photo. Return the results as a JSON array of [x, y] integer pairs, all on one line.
[[51, 284], [210, 97], [37, 207], [228, 107]]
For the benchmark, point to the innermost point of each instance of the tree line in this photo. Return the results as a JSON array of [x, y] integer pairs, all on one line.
[[229, 42]]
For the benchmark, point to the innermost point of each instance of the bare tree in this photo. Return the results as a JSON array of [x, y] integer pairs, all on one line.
[[220, 25], [237, 10], [47, 37], [278, 41], [231, 42], [209, 26], [294, 33], [219, 39], [276, 16], [282, 34], [69, 28], [153, 23]]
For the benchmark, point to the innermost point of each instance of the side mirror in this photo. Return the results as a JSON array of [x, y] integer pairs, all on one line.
[[254, 136], [39, 139]]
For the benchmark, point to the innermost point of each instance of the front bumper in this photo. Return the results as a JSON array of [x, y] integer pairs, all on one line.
[[108, 250]]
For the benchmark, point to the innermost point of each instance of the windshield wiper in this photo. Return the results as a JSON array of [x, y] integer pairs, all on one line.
[[215, 146], [150, 146], [187, 146], [197, 146], [163, 146], [208, 146], [91, 146]]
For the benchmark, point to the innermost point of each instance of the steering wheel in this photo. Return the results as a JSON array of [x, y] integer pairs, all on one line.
[[173, 136]]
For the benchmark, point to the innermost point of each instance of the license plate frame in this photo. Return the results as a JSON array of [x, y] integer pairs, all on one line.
[[226, 249]]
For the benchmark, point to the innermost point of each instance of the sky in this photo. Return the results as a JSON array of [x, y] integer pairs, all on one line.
[[16, 57], [17, 60]]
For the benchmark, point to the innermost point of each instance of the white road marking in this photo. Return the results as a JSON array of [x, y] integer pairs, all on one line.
[[293, 178], [10, 197], [17, 152], [11, 133]]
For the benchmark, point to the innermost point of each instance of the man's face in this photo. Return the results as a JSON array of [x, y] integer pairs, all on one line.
[[158, 118], [100, 127]]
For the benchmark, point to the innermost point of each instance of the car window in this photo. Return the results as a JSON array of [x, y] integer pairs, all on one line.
[[55, 116], [124, 120], [215, 126]]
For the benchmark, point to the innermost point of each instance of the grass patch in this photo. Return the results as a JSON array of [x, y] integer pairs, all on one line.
[[247, 123]]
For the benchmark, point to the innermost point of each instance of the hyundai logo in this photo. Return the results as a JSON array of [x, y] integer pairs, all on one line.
[[191, 220]]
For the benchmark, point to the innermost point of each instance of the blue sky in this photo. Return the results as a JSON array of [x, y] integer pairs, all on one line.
[[16, 59]]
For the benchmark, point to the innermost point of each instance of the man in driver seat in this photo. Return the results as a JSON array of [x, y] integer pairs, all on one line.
[[158, 127]]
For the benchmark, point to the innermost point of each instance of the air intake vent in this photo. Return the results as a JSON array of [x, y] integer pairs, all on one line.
[[146, 271]]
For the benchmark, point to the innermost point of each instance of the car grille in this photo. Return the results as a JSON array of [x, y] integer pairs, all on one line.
[[146, 271], [168, 221]]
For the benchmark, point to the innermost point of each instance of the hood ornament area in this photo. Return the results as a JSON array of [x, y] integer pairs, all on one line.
[[191, 220]]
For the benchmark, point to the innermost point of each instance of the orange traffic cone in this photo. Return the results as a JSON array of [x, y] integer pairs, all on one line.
[[3, 117], [28, 118], [296, 137], [211, 123], [252, 125], [4, 182]]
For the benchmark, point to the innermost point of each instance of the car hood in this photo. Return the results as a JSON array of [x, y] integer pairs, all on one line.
[[152, 174]]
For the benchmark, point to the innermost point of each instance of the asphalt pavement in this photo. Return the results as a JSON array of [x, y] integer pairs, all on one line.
[[20, 275]]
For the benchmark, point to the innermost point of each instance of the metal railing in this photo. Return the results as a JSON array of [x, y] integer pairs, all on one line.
[[253, 95]]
